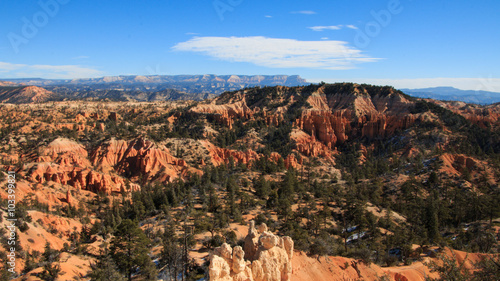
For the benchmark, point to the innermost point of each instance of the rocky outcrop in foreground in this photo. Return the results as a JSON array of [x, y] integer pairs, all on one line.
[[266, 257]]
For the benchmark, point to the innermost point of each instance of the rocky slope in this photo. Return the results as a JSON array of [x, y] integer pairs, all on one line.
[[484, 116], [331, 114], [25, 94]]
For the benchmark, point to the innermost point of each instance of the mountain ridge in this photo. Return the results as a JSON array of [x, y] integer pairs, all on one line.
[[454, 94], [208, 83], [198, 87]]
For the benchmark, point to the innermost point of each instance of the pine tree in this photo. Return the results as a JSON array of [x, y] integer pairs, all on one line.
[[431, 219], [105, 270], [50, 272], [262, 188], [129, 248]]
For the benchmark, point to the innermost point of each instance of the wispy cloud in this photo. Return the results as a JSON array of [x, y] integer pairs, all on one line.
[[304, 12], [323, 28], [7, 67], [331, 27], [268, 16], [47, 71], [277, 52]]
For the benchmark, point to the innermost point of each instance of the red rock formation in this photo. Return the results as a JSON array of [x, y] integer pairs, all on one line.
[[384, 126], [483, 116], [291, 162], [65, 152], [410, 152], [66, 162], [221, 156], [140, 157], [274, 118], [455, 164], [309, 146], [69, 198], [113, 116], [335, 128], [80, 178], [330, 118], [226, 111], [319, 125]]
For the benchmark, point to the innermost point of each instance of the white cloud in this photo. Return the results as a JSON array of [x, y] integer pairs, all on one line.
[[331, 27], [324, 38], [47, 71], [476, 84], [278, 53], [7, 67], [323, 28], [304, 12], [268, 16]]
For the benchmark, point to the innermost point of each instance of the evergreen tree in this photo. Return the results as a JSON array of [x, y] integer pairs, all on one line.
[[105, 270], [50, 272], [262, 188], [50, 255], [431, 219], [129, 248]]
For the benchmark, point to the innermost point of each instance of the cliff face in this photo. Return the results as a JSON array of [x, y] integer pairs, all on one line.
[[335, 116], [265, 257]]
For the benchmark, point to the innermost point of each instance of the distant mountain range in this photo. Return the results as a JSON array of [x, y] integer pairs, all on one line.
[[454, 94], [208, 84], [192, 87]]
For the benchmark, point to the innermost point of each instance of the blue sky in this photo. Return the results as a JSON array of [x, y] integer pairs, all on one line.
[[405, 43]]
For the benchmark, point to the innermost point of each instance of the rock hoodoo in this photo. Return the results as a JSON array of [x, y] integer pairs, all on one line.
[[265, 257]]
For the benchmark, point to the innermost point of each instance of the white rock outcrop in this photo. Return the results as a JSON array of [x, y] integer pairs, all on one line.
[[265, 257]]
